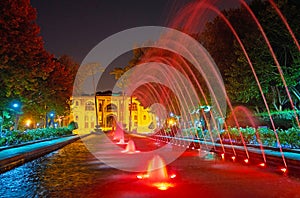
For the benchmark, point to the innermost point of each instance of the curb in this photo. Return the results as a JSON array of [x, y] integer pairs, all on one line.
[[32, 142], [12, 162], [273, 161]]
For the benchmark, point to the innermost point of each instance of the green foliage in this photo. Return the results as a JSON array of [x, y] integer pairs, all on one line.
[[289, 138], [228, 54], [266, 136], [281, 119], [27, 71], [18, 137], [73, 125]]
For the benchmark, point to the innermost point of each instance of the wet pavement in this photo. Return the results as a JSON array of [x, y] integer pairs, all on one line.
[[74, 172]]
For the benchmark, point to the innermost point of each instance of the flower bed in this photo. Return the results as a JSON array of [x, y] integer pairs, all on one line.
[[18, 137]]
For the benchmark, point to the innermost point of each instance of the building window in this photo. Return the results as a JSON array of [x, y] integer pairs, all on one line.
[[145, 117], [111, 107], [76, 103], [76, 118], [135, 117], [86, 125], [86, 118], [92, 125], [133, 107], [89, 106]]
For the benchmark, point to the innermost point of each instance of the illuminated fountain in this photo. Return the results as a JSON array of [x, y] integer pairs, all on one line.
[[189, 19], [119, 134], [130, 148], [157, 174], [164, 76]]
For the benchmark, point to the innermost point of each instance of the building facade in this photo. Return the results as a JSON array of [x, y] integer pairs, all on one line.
[[111, 109]]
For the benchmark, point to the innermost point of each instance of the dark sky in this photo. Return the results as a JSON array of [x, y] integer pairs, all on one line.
[[74, 27]]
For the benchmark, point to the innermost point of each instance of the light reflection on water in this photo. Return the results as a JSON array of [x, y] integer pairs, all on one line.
[[61, 173]]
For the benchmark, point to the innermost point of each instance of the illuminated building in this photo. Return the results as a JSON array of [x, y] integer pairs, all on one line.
[[110, 109]]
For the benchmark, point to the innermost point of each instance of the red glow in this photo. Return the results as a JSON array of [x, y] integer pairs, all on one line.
[[142, 176], [163, 185], [157, 169], [262, 164], [223, 156], [172, 176], [246, 161], [283, 170], [233, 158]]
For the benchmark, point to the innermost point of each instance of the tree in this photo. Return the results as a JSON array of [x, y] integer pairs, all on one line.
[[23, 60], [284, 47], [235, 68], [55, 92]]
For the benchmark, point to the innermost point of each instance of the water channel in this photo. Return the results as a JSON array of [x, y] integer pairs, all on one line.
[[74, 172]]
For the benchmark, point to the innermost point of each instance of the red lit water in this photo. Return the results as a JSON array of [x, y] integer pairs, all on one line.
[[186, 21]]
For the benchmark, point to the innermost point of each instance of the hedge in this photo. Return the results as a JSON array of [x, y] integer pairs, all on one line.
[[18, 137], [289, 138]]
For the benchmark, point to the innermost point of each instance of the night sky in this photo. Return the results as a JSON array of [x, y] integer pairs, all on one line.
[[74, 27]]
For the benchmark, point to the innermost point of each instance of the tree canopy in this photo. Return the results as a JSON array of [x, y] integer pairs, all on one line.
[[27, 71], [235, 67]]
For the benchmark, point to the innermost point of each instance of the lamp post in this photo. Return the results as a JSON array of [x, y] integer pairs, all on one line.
[[16, 106], [51, 115]]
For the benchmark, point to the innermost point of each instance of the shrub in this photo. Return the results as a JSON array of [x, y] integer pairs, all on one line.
[[17, 137], [281, 119], [289, 138], [266, 136]]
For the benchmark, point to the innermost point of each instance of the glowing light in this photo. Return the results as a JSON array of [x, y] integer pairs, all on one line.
[[15, 105], [246, 161], [233, 158], [28, 122], [163, 185], [157, 174], [172, 176], [142, 176], [223, 156], [262, 164], [283, 170]]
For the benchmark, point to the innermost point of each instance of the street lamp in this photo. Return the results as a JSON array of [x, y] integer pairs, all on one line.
[[51, 115], [28, 123], [16, 106]]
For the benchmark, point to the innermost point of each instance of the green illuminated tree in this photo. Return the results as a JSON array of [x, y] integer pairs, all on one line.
[[235, 68], [23, 60]]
